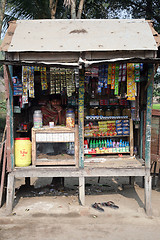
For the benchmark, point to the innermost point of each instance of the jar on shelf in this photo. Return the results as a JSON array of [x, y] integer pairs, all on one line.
[[70, 118], [93, 111], [108, 112], [117, 111], [128, 112], [100, 112], [37, 119]]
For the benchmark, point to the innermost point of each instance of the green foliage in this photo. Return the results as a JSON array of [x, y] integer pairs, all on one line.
[[156, 106], [3, 106]]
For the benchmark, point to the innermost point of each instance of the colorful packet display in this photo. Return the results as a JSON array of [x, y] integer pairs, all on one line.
[[17, 86], [137, 72], [52, 81], [31, 81], [109, 73], [131, 85], [43, 78], [113, 76], [122, 72], [36, 68], [25, 84], [116, 80]]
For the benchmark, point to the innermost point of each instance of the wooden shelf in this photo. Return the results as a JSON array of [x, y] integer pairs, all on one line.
[[107, 153], [109, 136]]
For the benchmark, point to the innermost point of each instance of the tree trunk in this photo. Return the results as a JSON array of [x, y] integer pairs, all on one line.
[[149, 10], [73, 9], [53, 7], [2, 11], [80, 9]]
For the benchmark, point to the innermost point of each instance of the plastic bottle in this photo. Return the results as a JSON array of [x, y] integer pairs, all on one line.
[[99, 143], [37, 119], [94, 144], [91, 144], [111, 143], [114, 144], [105, 143], [102, 143], [108, 143], [85, 144]]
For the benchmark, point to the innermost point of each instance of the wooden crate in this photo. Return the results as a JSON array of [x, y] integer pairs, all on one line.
[[55, 135]]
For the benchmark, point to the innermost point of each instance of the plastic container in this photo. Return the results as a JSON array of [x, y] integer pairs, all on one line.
[[100, 112], [93, 111], [108, 112], [22, 152], [70, 118], [37, 119], [117, 111]]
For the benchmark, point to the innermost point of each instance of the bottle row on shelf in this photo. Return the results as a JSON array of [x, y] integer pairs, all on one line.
[[105, 146]]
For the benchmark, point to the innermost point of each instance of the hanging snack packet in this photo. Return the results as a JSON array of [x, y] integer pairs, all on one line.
[[25, 85], [31, 81], [44, 78]]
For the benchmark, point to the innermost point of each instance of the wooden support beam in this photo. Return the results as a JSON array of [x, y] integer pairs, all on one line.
[[9, 118], [148, 184], [10, 193], [148, 119], [131, 138], [148, 142], [141, 134], [3, 175], [81, 116], [82, 190]]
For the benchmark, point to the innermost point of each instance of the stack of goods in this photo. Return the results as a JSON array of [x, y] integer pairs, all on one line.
[[107, 128], [122, 127], [98, 146]]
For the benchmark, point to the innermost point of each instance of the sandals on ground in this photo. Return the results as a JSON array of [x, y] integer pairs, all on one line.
[[109, 204], [96, 206]]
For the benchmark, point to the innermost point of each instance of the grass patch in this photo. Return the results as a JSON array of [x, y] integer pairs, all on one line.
[[156, 106]]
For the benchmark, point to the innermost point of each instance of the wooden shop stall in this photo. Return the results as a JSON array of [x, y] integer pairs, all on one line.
[[103, 70]]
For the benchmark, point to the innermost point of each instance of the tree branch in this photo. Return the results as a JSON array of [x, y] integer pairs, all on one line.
[[80, 9], [53, 8]]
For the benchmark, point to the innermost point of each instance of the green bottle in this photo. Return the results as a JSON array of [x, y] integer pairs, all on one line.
[[102, 143], [99, 143], [91, 144], [94, 144], [105, 143]]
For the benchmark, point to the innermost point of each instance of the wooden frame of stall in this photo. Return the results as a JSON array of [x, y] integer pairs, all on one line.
[[128, 166]]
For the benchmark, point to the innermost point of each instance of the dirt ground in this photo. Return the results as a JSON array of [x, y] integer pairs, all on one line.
[[44, 213]]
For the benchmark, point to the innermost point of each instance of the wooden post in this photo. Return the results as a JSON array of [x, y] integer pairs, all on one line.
[[148, 185], [81, 116], [131, 138], [9, 118], [141, 135], [10, 193], [82, 190], [148, 142]]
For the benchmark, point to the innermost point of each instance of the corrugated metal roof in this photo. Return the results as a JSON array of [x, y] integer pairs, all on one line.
[[78, 35]]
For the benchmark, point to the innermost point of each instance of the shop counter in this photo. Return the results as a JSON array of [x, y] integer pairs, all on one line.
[[55, 146]]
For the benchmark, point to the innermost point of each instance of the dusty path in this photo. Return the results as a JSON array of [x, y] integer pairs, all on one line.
[[60, 216]]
